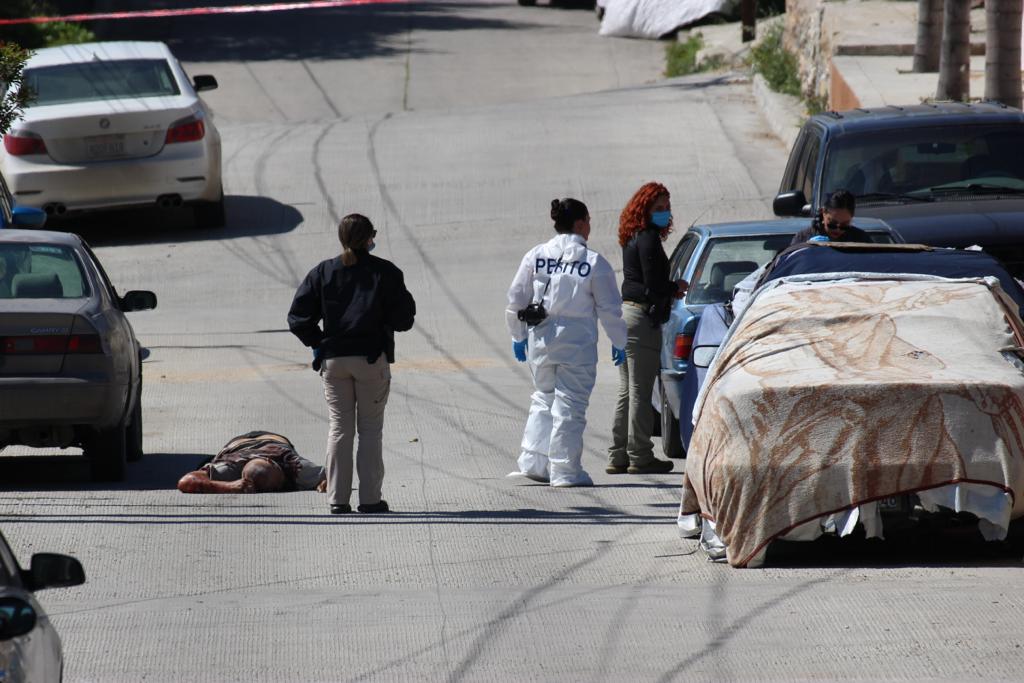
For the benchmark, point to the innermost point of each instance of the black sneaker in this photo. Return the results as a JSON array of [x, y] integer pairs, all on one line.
[[616, 469], [653, 467], [382, 506], [341, 509]]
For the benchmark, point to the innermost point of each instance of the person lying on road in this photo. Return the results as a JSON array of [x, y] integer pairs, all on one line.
[[255, 462]]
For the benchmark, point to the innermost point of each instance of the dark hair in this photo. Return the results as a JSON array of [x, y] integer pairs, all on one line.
[[841, 199], [354, 232], [565, 213]]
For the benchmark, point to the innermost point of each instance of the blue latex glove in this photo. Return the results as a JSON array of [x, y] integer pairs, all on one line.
[[819, 238], [519, 349], [316, 353], [618, 356]]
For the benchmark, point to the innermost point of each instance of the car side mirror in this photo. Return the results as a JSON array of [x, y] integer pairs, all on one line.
[[792, 203], [16, 618], [701, 356], [50, 570], [138, 300], [204, 82], [28, 217]]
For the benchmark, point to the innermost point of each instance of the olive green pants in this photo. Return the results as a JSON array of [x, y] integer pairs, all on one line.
[[634, 416]]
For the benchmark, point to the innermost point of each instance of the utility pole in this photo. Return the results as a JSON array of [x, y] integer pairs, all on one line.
[[1002, 51], [929, 36], [955, 60], [748, 19]]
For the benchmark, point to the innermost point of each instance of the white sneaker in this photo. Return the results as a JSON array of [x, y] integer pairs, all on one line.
[[526, 475]]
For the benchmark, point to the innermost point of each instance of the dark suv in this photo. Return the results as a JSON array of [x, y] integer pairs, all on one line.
[[946, 174]]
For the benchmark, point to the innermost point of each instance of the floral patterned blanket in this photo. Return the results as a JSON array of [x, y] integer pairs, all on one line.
[[829, 394]]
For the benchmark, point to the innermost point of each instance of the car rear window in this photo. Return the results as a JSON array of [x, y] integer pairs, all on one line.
[[727, 260], [40, 271], [100, 80]]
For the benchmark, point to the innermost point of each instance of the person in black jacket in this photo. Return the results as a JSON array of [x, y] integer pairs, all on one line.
[[835, 222], [647, 294], [362, 301]]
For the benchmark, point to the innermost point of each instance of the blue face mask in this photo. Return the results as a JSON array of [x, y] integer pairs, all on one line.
[[661, 218], [371, 247]]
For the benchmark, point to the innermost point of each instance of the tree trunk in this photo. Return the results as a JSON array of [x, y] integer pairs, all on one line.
[[1002, 51], [748, 20], [929, 36], [955, 60]]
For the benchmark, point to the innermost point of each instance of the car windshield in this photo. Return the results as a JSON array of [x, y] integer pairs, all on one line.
[[727, 260], [100, 80], [919, 162], [40, 271]]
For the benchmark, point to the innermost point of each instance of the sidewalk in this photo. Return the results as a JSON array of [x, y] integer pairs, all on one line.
[[859, 52]]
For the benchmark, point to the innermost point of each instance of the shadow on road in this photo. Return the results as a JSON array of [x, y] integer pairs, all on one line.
[[247, 216], [958, 545], [155, 471], [355, 32]]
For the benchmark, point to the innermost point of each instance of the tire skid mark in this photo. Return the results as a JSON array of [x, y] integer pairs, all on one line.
[[266, 93], [261, 260], [323, 93], [434, 275]]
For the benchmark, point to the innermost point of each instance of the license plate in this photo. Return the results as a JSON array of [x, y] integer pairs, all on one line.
[[105, 146]]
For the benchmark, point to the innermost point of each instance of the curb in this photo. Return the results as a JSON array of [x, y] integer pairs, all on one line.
[[784, 113]]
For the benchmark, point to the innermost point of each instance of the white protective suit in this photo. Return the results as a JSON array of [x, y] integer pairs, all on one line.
[[563, 350]]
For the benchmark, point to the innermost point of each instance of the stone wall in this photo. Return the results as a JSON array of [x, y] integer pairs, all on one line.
[[808, 36]]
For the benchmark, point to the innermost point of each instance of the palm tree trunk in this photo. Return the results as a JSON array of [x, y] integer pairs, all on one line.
[[1002, 51], [955, 60], [929, 36]]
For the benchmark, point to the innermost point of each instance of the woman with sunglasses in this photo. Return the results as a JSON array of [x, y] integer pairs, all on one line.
[[361, 301]]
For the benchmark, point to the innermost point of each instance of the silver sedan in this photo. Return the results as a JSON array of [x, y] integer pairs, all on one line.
[[70, 365]]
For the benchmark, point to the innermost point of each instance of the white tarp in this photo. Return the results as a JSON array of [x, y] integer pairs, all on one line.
[[655, 18]]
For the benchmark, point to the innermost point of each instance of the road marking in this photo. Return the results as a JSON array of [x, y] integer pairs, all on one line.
[[199, 11]]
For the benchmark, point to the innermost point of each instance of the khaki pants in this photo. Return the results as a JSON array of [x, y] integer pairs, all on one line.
[[356, 393], [634, 416]]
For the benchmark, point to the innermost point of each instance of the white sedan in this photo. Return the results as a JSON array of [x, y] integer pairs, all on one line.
[[112, 125]]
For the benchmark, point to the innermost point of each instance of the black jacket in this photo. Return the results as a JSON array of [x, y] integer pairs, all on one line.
[[361, 307], [851, 234], [645, 276]]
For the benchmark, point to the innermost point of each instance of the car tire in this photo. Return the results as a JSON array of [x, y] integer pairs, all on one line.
[[107, 454], [210, 214], [133, 432], [527, 3], [671, 442]]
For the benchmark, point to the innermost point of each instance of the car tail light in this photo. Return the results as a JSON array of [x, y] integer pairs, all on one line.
[[44, 344], [683, 347], [186, 130], [22, 143]]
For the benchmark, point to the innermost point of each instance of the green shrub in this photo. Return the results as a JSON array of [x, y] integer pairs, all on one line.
[[776, 65], [33, 36], [681, 57]]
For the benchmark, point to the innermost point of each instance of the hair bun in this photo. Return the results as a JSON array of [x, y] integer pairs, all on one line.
[[556, 208]]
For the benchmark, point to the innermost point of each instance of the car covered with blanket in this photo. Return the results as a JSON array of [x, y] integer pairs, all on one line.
[[835, 392]]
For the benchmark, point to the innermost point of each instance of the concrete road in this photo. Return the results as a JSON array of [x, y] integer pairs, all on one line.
[[452, 124]]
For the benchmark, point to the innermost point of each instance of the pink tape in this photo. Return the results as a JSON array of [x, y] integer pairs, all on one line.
[[199, 11]]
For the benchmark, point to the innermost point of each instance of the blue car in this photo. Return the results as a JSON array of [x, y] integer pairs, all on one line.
[[713, 259], [12, 215], [951, 263]]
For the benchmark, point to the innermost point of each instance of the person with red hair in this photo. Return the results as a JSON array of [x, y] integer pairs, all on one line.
[[647, 293]]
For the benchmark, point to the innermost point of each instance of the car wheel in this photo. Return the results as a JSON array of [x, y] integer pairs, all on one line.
[[133, 432], [210, 214], [107, 454], [671, 442], [527, 3]]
